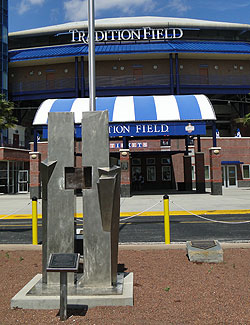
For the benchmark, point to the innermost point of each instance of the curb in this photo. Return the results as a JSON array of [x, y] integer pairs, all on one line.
[[129, 246], [143, 214]]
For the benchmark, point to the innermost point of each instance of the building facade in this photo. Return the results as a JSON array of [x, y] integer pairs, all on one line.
[[4, 46], [145, 56]]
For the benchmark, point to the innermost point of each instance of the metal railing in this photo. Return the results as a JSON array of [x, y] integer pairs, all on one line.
[[129, 81], [25, 86], [101, 81], [223, 80]]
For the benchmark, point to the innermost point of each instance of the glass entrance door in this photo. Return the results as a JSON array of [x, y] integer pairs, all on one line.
[[23, 181], [229, 175]]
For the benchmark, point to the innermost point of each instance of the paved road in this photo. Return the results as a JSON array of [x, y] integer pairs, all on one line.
[[183, 228], [148, 229]]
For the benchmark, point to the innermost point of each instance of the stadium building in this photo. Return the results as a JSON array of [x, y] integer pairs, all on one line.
[[181, 85]]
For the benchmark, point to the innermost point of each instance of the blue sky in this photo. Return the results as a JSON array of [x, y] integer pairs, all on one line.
[[27, 14]]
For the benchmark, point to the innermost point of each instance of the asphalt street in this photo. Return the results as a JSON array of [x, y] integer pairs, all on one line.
[[148, 229], [232, 206]]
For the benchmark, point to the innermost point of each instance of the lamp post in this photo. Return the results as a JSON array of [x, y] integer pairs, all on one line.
[[91, 30]]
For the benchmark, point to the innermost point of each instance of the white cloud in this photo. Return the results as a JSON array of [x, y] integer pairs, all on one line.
[[26, 5], [178, 6], [77, 9]]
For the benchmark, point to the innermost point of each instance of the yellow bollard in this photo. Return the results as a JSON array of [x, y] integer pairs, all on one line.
[[166, 219], [34, 221]]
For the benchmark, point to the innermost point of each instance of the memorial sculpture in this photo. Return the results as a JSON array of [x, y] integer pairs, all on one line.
[[100, 185]]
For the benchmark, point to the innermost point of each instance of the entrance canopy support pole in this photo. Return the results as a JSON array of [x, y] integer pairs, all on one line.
[[199, 143], [35, 140], [177, 74], [171, 73], [186, 144], [76, 77], [214, 134], [125, 142]]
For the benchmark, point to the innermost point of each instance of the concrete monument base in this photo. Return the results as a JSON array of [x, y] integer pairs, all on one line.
[[48, 300], [204, 253]]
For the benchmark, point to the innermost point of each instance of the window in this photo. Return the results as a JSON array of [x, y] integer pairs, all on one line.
[[136, 170], [151, 174], [136, 161], [150, 161], [166, 161], [207, 172], [246, 171], [166, 173], [193, 172]]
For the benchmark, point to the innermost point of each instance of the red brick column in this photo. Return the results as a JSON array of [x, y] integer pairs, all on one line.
[[187, 173], [215, 170], [200, 172], [35, 183], [125, 173]]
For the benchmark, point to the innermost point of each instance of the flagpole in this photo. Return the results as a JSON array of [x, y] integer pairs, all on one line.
[[91, 55]]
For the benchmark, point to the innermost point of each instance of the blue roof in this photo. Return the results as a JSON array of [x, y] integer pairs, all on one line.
[[131, 48]]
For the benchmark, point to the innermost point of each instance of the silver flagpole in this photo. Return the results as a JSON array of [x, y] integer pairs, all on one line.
[[91, 30]]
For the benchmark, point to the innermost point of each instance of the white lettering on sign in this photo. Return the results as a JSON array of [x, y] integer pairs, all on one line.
[[151, 128], [119, 129], [124, 130], [164, 128], [145, 33]]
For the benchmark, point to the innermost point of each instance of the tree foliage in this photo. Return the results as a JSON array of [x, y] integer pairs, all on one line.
[[246, 119], [7, 120]]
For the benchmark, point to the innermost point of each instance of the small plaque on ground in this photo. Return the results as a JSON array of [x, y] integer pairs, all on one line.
[[59, 262], [203, 244]]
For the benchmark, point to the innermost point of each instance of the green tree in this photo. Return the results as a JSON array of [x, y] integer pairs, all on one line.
[[7, 120], [246, 119]]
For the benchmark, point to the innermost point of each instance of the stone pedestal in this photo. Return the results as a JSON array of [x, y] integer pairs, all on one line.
[[35, 182], [215, 170], [187, 172], [125, 173], [212, 254], [200, 172]]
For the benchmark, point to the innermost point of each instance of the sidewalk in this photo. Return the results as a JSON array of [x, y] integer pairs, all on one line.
[[232, 200]]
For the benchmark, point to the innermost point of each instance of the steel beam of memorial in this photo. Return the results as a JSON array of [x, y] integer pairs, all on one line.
[[91, 27]]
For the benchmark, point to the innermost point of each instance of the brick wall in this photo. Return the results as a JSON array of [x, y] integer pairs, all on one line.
[[12, 154], [232, 149]]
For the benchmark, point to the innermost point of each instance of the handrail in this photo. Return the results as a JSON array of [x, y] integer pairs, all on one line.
[[131, 81]]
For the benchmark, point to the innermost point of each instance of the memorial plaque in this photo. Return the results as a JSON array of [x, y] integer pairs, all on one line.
[[203, 244], [78, 178], [63, 262]]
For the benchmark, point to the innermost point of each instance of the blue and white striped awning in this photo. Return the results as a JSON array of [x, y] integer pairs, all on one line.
[[133, 108]]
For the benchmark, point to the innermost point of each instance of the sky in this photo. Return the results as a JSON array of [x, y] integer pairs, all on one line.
[[28, 14]]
